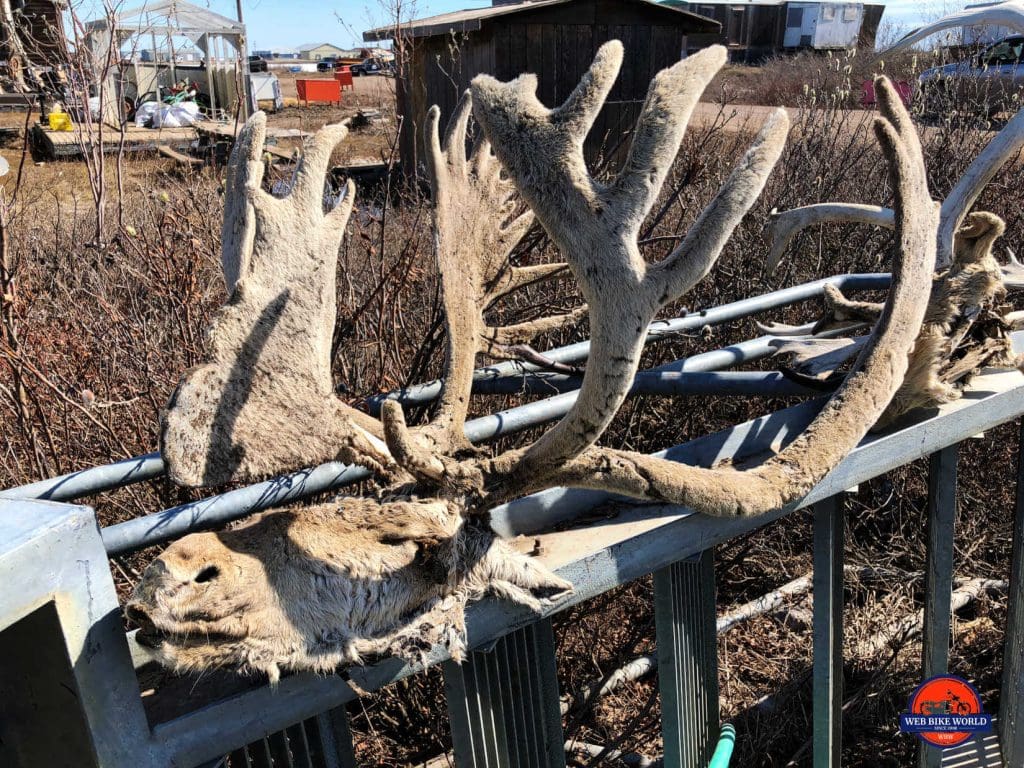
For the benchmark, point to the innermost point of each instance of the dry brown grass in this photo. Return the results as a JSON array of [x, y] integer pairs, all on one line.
[[104, 333]]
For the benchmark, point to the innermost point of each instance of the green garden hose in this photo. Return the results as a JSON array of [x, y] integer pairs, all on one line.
[[723, 752]]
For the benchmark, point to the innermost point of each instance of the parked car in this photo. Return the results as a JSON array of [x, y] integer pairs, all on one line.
[[986, 84], [257, 64], [372, 67], [326, 64]]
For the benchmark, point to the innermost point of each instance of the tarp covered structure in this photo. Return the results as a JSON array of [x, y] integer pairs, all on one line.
[[220, 39]]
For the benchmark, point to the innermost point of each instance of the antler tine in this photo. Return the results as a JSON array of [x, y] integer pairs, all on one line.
[[480, 157], [455, 133], [473, 243], [846, 417], [595, 226], [577, 114], [788, 224], [1006, 145], [309, 182], [696, 255], [523, 332], [671, 98], [244, 172], [514, 278]]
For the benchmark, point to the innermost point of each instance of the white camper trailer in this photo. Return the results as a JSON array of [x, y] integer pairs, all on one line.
[[822, 25]]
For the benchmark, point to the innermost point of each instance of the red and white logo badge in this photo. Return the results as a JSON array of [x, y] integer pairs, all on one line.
[[945, 711]]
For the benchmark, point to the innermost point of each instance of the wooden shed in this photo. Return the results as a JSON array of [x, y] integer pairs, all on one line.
[[554, 39], [756, 29]]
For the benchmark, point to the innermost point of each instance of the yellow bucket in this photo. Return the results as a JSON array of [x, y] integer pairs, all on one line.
[[60, 121]]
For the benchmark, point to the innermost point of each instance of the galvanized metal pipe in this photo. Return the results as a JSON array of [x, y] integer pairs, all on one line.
[[172, 523], [658, 330], [726, 383], [93, 480], [104, 478]]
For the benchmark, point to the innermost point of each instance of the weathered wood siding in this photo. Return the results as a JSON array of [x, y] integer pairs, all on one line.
[[556, 44]]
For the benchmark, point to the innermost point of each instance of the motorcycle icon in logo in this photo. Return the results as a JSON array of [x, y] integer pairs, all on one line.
[[945, 711], [951, 705]]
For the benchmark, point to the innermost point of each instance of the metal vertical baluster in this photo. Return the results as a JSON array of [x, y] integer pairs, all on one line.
[[828, 633], [684, 612], [335, 739], [503, 703], [938, 587], [279, 750], [1011, 716], [299, 745], [259, 754]]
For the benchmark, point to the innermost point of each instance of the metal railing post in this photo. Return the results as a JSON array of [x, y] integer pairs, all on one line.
[[335, 739], [503, 703], [68, 692], [1011, 716], [938, 586], [684, 612], [828, 633]]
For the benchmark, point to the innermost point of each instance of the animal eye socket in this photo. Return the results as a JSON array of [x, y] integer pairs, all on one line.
[[209, 573]]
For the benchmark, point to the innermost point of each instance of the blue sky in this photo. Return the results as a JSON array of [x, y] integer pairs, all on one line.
[[289, 23]]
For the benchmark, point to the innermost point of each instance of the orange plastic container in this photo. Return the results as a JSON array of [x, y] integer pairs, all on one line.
[[343, 75], [319, 90]]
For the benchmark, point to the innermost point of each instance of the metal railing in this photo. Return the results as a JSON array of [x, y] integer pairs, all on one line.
[[503, 701]]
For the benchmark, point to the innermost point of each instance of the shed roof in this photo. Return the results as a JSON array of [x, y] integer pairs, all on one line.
[[311, 46], [472, 19], [175, 17]]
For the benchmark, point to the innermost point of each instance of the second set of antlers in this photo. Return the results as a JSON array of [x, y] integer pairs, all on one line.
[[265, 402]]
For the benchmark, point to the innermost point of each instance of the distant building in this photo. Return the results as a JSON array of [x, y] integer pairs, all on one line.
[[758, 28], [317, 51], [277, 53], [554, 39]]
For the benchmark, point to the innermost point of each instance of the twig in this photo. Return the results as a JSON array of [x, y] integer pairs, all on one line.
[[634, 759], [527, 354]]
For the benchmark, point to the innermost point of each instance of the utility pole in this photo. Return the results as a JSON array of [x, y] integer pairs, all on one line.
[[243, 44]]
